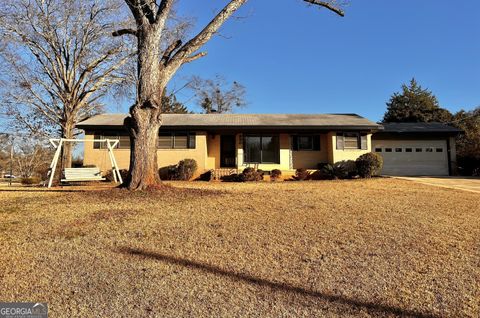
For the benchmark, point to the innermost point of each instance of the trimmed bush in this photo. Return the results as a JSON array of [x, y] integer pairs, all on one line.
[[168, 172], [123, 173], [369, 165], [31, 180], [275, 175], [183, 171], [301, 174], [186, 169], [250, 174]]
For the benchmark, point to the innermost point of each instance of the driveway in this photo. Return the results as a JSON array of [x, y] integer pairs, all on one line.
[[462, 183]]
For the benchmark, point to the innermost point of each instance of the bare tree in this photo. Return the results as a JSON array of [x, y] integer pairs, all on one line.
[[58, 62], [156, 66], [216, 96], [32, 158]]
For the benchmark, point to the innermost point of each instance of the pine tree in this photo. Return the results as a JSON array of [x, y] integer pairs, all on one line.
[[170, 105], [415, 104]]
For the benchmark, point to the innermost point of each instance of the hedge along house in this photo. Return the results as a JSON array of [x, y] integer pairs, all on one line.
[[236, 141]]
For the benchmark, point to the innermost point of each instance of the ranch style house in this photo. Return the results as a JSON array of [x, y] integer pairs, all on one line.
[[280, 141]]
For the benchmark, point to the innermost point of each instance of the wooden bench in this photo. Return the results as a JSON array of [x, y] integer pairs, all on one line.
[[82, 174]]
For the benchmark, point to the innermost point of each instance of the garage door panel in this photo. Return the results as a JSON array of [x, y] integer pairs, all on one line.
[[434, 163]]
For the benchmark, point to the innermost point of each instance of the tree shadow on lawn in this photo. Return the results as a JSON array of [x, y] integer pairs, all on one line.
[[275, 286]]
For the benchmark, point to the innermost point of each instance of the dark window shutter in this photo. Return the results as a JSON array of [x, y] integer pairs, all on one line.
[[364, 141], [192, 140], [340, 142], [295, 143], [316, 142], [96, 145]]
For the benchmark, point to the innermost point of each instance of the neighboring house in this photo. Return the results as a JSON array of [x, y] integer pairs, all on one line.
[[236, 141]]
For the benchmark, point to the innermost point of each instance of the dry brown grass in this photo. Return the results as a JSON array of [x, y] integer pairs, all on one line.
[[363, 248]]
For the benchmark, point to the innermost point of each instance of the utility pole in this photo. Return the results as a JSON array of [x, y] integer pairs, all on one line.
[[11, 164]]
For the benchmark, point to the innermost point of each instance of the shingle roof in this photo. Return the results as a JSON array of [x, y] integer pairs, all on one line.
[[243, 120], [419, 128]]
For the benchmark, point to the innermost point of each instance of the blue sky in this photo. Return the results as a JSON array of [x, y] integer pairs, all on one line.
[[293, 58]]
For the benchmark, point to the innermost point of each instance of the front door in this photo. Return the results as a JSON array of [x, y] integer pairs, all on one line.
[[227, 151]]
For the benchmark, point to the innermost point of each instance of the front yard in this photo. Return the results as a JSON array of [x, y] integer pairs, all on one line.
[[381, 247]]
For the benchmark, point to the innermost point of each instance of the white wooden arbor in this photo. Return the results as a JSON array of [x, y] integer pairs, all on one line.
[[58, 143]]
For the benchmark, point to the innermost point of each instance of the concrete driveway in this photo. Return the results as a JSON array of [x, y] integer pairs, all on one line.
[[471, 184]]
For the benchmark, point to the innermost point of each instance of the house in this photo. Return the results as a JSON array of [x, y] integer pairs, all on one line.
[[271, 141]]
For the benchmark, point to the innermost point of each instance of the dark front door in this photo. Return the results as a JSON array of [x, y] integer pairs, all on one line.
[[227, 151]]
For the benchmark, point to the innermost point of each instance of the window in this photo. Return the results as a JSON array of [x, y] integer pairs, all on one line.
[[351, 140], [408, 149], [306, 143], [176, 140], [398, 149], [180, 141], [418, 149], [165, 141], [261, 149], [439, 150], [429, 149], [388, 149], [378, 149], [122, 137]]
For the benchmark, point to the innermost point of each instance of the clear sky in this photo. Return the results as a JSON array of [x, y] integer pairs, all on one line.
[[293, 58]]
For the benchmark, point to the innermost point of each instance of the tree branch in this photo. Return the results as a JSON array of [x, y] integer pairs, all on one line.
[[328, 6], [124, 31], [169, 50], [201, 38], [194, 57]]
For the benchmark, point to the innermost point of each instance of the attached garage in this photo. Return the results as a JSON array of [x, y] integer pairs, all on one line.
[[416, 149]]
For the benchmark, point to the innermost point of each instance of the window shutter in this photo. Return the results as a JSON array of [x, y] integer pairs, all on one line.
[[364, 141], [192, 140], [295, 143], [340, 141], [96, 145], [316, 142]]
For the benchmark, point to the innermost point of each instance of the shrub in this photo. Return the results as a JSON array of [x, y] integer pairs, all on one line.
[[339, 170], [31, 180], [168, 172], [468, 165], [333, 172], [275, 175], [186, 169], [301, 174], [369, 164], [250, 174], [123, 173], [206, 176], [233, 178]]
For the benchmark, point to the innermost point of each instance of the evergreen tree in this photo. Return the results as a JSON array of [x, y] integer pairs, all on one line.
[[468, 143], [415, 104], [170, 105]]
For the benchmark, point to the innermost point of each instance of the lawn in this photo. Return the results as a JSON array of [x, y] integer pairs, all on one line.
[[381, 247]]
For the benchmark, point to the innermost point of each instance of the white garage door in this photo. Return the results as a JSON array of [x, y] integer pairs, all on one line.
[[413, 157]]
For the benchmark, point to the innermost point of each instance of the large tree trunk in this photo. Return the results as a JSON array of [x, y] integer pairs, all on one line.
[[143, 156], [146, 112]]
